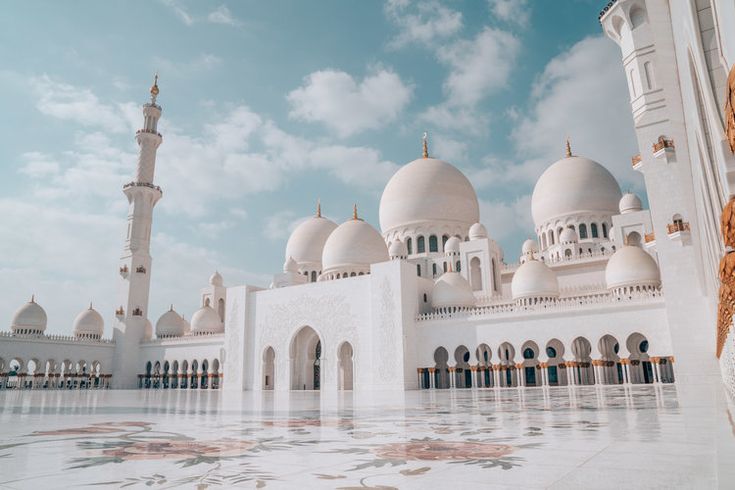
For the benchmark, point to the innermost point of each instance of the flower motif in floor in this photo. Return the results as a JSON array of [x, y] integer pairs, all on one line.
[[179, 450], [429, 450]]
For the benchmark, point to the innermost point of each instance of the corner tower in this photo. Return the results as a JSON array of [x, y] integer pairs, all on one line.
[[132, 324], [643, 30]]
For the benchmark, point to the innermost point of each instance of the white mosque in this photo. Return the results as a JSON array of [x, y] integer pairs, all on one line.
[[605, 293]]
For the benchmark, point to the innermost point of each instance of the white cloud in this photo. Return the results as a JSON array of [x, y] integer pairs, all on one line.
[[423, 22], [507, 219], [478, 67], [79, 105], [279, 225], [581, 94], [180, 12], [447, 148], [346, 106], [222, 15], [511, 11]]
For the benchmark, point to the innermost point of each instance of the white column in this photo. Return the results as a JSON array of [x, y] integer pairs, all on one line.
[[496, 376], [432, 381], [419, 371], [452, 378], [473, 376]]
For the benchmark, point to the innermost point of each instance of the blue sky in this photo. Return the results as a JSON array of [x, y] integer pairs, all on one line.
[[267, 106]]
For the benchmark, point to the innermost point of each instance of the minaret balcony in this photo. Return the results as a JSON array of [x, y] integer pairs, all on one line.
[[149, 131], [124, 270], [679, 231], [140, 270], [637, 162], [142, 184], [664, 150], [120, 312]]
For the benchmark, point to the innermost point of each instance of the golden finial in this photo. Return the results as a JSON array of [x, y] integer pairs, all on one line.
[[318, 208], [354, 211], [154, 88], [33, 298], [569, 148], [425, 140]]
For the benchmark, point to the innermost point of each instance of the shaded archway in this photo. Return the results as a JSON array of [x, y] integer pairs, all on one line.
[[269, 368], [582, 366], [305, 359], [484, 356], [641, 370], [463, 374], [530, 352], [610, 369], [507, 375], [345, 367], [441, 369], [555, 368]]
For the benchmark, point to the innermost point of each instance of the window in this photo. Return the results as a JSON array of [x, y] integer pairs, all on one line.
[[643, 346], [551, 237], [593, 229], [313, 276], [433, 269], [426, 298], [418, 269], [445, 267], [582, 231], [475, 274], [409, 245], [649, 74], [604, 230], [528, 353], [433, 244], [420, 245], [494, 278], [551, 352], [459, 266]]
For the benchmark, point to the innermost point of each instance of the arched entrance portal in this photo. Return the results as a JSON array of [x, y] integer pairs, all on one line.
[[305, 359], [345, 367]]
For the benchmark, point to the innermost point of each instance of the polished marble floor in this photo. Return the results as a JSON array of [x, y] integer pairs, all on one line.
[[582, 437]]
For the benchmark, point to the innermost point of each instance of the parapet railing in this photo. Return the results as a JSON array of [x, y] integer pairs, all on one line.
[[562, 304], [55, 337], [185, 338]]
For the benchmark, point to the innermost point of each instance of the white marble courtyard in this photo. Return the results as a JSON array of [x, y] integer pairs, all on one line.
[[583, 437]]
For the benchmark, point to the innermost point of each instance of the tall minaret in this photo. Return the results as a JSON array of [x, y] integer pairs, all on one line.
[[135, 263]]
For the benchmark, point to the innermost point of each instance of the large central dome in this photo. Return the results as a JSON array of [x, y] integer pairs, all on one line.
[[428, 191], [574, 185]]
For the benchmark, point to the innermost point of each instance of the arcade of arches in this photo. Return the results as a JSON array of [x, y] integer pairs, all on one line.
[[510, 368], [181, 375], [16, 373]]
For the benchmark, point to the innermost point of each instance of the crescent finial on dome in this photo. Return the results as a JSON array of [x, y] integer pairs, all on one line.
[[354, 211], [318, 208], [425, 142], [569, 148]]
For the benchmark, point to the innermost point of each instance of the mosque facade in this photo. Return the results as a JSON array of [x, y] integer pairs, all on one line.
[[606, 292]]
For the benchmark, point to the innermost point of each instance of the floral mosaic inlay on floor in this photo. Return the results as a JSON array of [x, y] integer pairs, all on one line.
[[559, 438]]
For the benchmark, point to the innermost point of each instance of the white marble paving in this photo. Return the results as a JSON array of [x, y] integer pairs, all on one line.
[[585, 437]]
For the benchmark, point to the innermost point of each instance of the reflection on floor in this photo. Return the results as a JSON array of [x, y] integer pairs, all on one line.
[[583, 437]]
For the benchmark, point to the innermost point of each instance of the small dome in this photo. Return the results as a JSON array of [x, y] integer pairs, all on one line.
[[478, 231], [397, 249], [290, 265], [452, 290], [147, 330], [534, 279], [430, 192], [452, 245], [89, 324], [568, 235], [306, 243], [170, 325], [29, 318], [529, 247], [206, 321], [216, 279], [574, 185], [353, 246], [631, 266], [630, 203]]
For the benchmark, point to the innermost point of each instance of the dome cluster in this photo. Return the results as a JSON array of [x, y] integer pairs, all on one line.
[[89, 324]]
